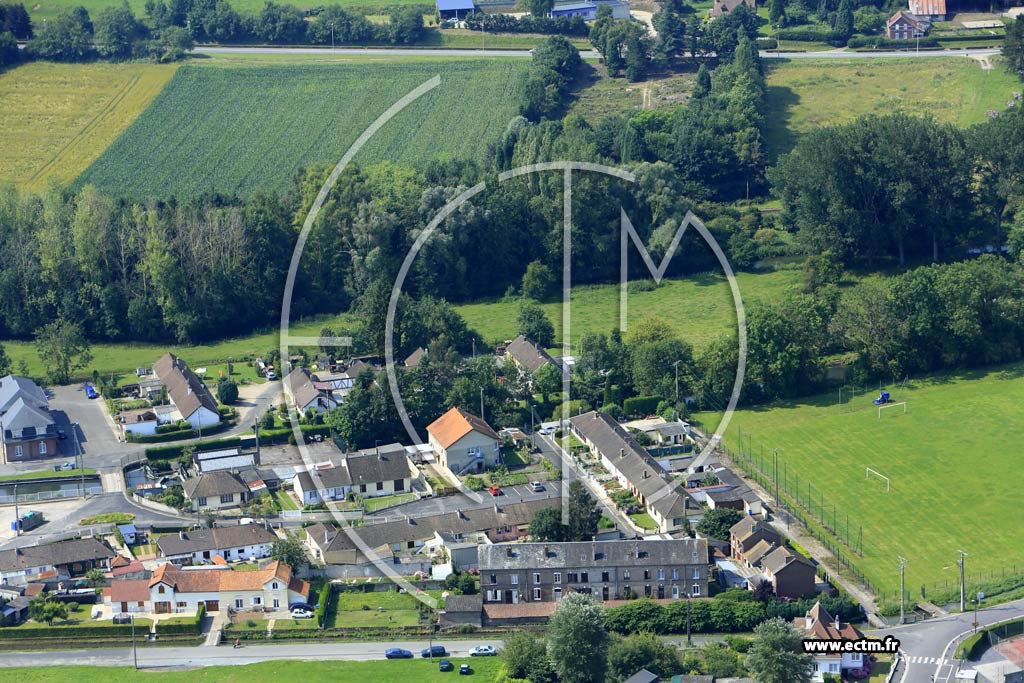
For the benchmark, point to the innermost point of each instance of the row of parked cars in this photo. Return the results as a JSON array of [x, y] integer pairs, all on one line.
[[439, 651]]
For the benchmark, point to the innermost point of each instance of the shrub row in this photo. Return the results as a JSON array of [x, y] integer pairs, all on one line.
[[323, 601], [641, 405], [171, 452], [808, 34], [65, 632], [883, 42]]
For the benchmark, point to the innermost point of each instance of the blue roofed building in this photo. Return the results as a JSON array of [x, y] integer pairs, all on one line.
[[587, 10], [454, 9]]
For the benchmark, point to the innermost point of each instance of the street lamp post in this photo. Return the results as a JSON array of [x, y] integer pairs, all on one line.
[[17, 517], [533, 437], [135, 648], [676, 366]]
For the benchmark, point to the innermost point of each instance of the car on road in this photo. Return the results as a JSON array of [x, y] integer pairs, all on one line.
[[68, 466], [91, 392], [495, 490], [302, 614], [536, 486], [445, 665], [271, 375], [464, 670], [483, 651], [546, 430], [397, 653], [434, 651]]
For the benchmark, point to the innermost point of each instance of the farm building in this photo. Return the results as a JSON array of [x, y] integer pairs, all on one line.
[[930, 9], [905, 26], [454, 9], [587, 10]]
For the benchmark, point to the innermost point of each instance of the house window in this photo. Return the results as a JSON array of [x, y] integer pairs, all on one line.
[[273, 586], [362, 488], [380, 486], [17, 451], [696, 590], [558, 579], [399, 484], [584, 577], [696, 574], [160, 589], [494, 579], [181, 604], [675, 574], [625, 574], [227, 498], [647, 574], [536, 577], [42, 448], [239, 603], [574, 577], [536, 594], [411, 544], [661, 575], [514, 579], [202, 502], [257, 600], [604, 577], [277, 603], [558, 594]]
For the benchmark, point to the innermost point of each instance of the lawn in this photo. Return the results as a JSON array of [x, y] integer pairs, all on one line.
[[680, 302], [355, 609], [644, 520], [141, 623], [952, 460], [56, 119], [41, 474], [285, 500], [47, 9], [380, 502], [807, 93], [378, 671], [238, 130]]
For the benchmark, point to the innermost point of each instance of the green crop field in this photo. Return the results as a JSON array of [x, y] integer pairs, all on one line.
[[239, 130], [952, 458], [47, 9], [806, 93], [56, 119], [699, 308], [382, 671]]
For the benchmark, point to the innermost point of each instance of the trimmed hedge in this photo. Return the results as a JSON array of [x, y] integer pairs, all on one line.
[[972, 646], [171, 452], [641, 405], [808, 34], [883, 42], [270, 437], [765, 43], [323, 602], [64, 632]]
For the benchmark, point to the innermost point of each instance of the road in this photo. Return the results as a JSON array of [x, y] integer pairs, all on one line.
[[586, 54], [929, 646]]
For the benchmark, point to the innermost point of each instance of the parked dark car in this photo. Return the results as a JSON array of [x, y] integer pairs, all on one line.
[[305, 606], [397, 653], [464, 670], [435, 651], [445, 665]]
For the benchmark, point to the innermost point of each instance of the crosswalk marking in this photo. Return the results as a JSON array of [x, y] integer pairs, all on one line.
[[920, 659]]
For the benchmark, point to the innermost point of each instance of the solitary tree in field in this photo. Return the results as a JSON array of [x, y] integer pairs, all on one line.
[[63, 348], [45, 609]]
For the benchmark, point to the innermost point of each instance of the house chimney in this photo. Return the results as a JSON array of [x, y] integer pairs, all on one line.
[[181, 534], [839, 624], [646, 474], [808, 622], [622, 452]]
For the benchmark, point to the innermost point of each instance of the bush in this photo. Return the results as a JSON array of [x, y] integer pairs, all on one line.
[[474, 483], [809, 34], [641, 405], [881, 42], [765, 43]]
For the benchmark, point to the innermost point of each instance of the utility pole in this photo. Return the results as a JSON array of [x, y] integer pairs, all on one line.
[[961, 563], [17, 517], [676, 366], [903, 592], [689, 640], [135, 649], [482, 404]]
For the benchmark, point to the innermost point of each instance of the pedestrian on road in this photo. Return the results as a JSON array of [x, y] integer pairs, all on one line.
[[238, 642]]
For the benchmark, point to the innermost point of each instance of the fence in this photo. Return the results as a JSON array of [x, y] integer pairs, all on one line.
[[41, 496]]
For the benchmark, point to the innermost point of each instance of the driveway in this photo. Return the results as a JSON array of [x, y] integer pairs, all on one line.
[[96, 434]]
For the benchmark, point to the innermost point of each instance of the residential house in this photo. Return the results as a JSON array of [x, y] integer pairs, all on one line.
[[227, 459], [818, 624], [665, 499], [414, 359], [663, 433], [216, 491], [527, 356], [63, 559], [608, 570], [233, 543], [906, 26], [128, 533], [790, 573], [747, 533], [140, 422], [643, 676], [935, 10], [464, 443], [460, 610], [272, 587], [28, 429], [191, 399], [128, 596], [721, 7], [305, 394], [371, 472]]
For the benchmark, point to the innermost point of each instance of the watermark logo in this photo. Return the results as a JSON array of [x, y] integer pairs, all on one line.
[[627, 234]]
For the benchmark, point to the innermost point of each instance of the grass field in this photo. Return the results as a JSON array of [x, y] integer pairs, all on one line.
[[804, 94], [47, 474], [597, 96], [238, 130], [382, 671], [680, 302], [56, 119], [953, 460], [47, 9]]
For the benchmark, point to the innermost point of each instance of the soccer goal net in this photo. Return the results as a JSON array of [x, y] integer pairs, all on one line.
[[868, 472], [886, 406]]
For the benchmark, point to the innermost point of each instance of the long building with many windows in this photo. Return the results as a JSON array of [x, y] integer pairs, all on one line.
[[608, 570]]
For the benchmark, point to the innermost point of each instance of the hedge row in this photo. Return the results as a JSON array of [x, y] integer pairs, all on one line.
[[269, 437], [323, 601], [641, 405], [171, 452], [883, 42], [193, 629], [64, 632], [809, 34], [765, 43]]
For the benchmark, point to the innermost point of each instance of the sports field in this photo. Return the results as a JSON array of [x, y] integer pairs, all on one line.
[[56, 119], [807, 93], [700, 308], [236, 130], [953, 459]]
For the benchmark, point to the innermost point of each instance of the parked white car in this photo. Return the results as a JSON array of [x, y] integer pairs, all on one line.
[[301, 614]]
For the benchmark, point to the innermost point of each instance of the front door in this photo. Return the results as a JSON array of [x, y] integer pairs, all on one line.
[[162, 607], [124, 606]]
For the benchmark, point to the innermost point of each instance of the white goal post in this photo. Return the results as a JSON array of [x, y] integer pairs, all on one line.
[[868, 472], [891, 405]]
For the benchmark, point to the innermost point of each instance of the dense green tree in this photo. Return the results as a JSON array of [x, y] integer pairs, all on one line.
[[997, 148], [46, 609], [9, 52], [279, 24], [524, 656], [548, 380], [227, 391], [583, 513], [116, 31], [702, 87], [844, 25], [5, 362], [290, 550], [406, 26], [64, 38], [533, 323], [540, 8], [716, 523], [629, 654], [777, 654], [1013, 47], [537, 281], [546, 525], [777, 12], [14, 19], [578, 641], [63, 349]]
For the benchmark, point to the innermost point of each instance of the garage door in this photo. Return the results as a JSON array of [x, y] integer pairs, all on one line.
[[213, 605]]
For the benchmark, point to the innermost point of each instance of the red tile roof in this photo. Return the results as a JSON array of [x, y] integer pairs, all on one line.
[[456, 424]]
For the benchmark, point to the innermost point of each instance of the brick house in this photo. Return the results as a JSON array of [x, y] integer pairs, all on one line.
[[905, 26]]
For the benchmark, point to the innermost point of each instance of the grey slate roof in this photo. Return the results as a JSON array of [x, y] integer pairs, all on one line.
[[528, 355], [25, 421], [184, 388], [299, 384], [218, 538], [594, 554], [55, 554], [463, 603], [385, 463], [13, 386], [782, 557], [213, 484], [620, 447], [642, 676]]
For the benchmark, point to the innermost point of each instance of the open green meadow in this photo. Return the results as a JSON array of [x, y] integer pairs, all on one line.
[[240, 130], [47, 9], [700, 308], [382, 671], [953, 460], [56, 119], [804, 93]]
